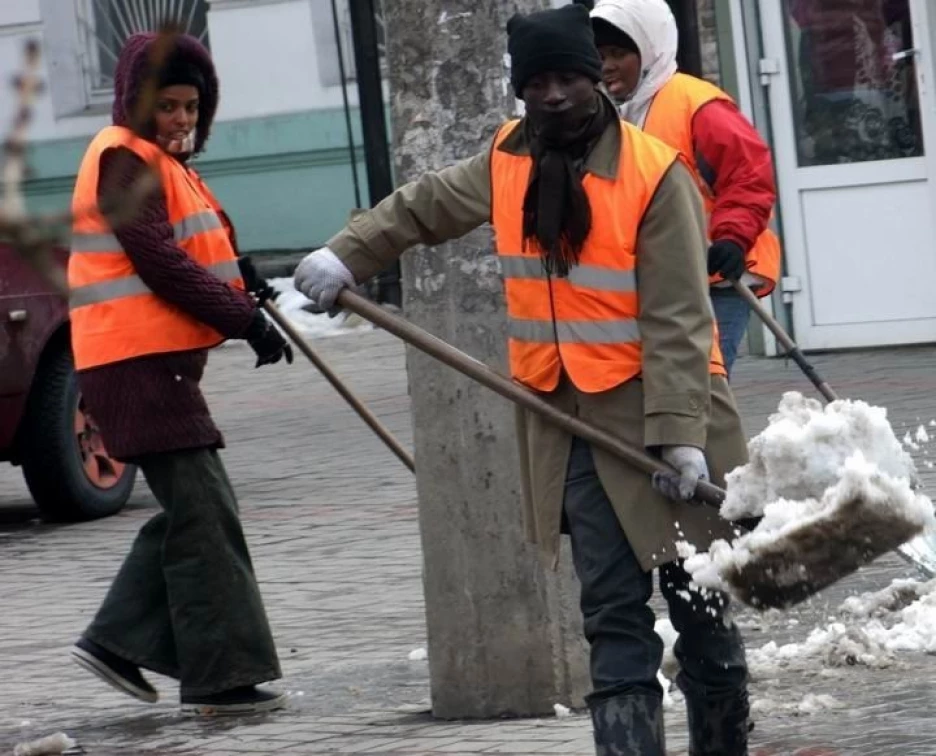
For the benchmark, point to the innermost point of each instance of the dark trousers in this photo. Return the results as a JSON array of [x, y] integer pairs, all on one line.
[[732, 313], [185, 603], [625, 651]]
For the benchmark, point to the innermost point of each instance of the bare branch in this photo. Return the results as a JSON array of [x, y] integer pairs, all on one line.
[[36, 237], [28, 86]]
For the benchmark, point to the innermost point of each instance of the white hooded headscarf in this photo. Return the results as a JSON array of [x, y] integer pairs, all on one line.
[[650, 23]]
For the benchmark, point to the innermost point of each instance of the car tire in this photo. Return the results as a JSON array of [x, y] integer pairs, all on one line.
[[67, 469]]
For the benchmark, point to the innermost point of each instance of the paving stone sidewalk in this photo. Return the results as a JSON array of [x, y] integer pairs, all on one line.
[[331, 519]]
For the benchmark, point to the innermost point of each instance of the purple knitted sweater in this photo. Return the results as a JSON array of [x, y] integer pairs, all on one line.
[[154, 404]]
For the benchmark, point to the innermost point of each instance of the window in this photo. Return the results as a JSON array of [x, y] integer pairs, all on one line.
[[107, 24], [82, 39], [853, 77]]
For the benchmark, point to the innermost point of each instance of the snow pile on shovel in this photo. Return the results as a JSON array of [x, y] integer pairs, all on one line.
[[834, 487]]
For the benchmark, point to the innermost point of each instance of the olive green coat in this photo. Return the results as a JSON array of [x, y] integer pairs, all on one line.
[[675, 401]]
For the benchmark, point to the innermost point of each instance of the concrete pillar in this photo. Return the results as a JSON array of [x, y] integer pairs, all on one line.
[[504, 633]]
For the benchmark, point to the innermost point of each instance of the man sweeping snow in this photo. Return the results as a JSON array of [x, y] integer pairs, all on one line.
[[601, 241]]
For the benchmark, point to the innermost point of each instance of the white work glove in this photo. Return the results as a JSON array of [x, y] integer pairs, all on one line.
[[321, 276], [689, 463]]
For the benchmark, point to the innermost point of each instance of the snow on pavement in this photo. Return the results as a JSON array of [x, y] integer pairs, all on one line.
[[810, 704], [874, 630], [871, 630]]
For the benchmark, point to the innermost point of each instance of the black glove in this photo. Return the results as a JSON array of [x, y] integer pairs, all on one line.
[[727, 258], [254, 283], [266, 341]]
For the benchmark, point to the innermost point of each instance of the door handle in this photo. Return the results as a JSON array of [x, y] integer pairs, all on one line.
[[910, 52]]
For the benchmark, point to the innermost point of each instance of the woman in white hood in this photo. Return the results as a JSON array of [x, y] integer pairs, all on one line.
[[732, 164]]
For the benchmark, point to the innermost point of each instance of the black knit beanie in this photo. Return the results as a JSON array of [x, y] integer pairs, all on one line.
[[608, 34], [178, 69], [552, 40]]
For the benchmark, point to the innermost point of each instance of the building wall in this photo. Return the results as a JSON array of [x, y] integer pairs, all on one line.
[[278, 158], [279, 155]]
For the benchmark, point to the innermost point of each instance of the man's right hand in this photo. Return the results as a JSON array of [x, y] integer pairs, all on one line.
[[321, 276], [727, 259]]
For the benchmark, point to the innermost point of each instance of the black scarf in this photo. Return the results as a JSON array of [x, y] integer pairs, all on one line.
[[556, 212]]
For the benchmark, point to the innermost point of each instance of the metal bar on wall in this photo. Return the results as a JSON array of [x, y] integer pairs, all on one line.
[[374, 127], [689, 55], [347, 106], [747, 16]]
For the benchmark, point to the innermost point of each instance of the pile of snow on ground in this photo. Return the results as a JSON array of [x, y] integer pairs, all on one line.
[[812, 703], [871, 631], [806, 466]]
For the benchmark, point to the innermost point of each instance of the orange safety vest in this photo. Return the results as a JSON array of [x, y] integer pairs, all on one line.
[[585, 324], [670, 119], [114, 315]]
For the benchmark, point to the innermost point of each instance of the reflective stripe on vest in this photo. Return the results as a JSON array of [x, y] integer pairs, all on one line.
[[129, 286], [623, 331], [114, 315], [182, 230], [584, 276], [586, 323], [670, 119]]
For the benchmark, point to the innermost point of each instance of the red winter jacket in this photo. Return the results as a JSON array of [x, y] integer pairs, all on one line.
[[736, 164]]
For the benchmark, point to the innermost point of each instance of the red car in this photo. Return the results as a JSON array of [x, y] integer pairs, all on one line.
[[44, 425]]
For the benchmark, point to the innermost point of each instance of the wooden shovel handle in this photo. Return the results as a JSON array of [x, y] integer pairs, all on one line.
[[478, 371], [356, 404], [783, 337]]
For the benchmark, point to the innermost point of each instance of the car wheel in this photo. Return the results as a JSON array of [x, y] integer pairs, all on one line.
[[67, 469]]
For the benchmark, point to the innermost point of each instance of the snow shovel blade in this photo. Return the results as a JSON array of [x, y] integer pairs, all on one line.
[[921, 553], [817, 554]]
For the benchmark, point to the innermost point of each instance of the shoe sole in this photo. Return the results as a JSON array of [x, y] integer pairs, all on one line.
[[234, 710], [94, 665]]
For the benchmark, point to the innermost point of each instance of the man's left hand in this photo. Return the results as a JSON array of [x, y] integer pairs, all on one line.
[[267, 342], [727, 258], [690, 467]]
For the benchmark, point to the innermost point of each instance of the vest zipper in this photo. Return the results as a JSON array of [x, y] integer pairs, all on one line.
[[552, 310]]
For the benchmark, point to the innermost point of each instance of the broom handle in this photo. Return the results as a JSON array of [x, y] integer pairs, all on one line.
[[478, 371], [793, 351], [365, 414]]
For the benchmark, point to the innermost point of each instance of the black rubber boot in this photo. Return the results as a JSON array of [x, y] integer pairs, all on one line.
[[719, 726], [629, 725]]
